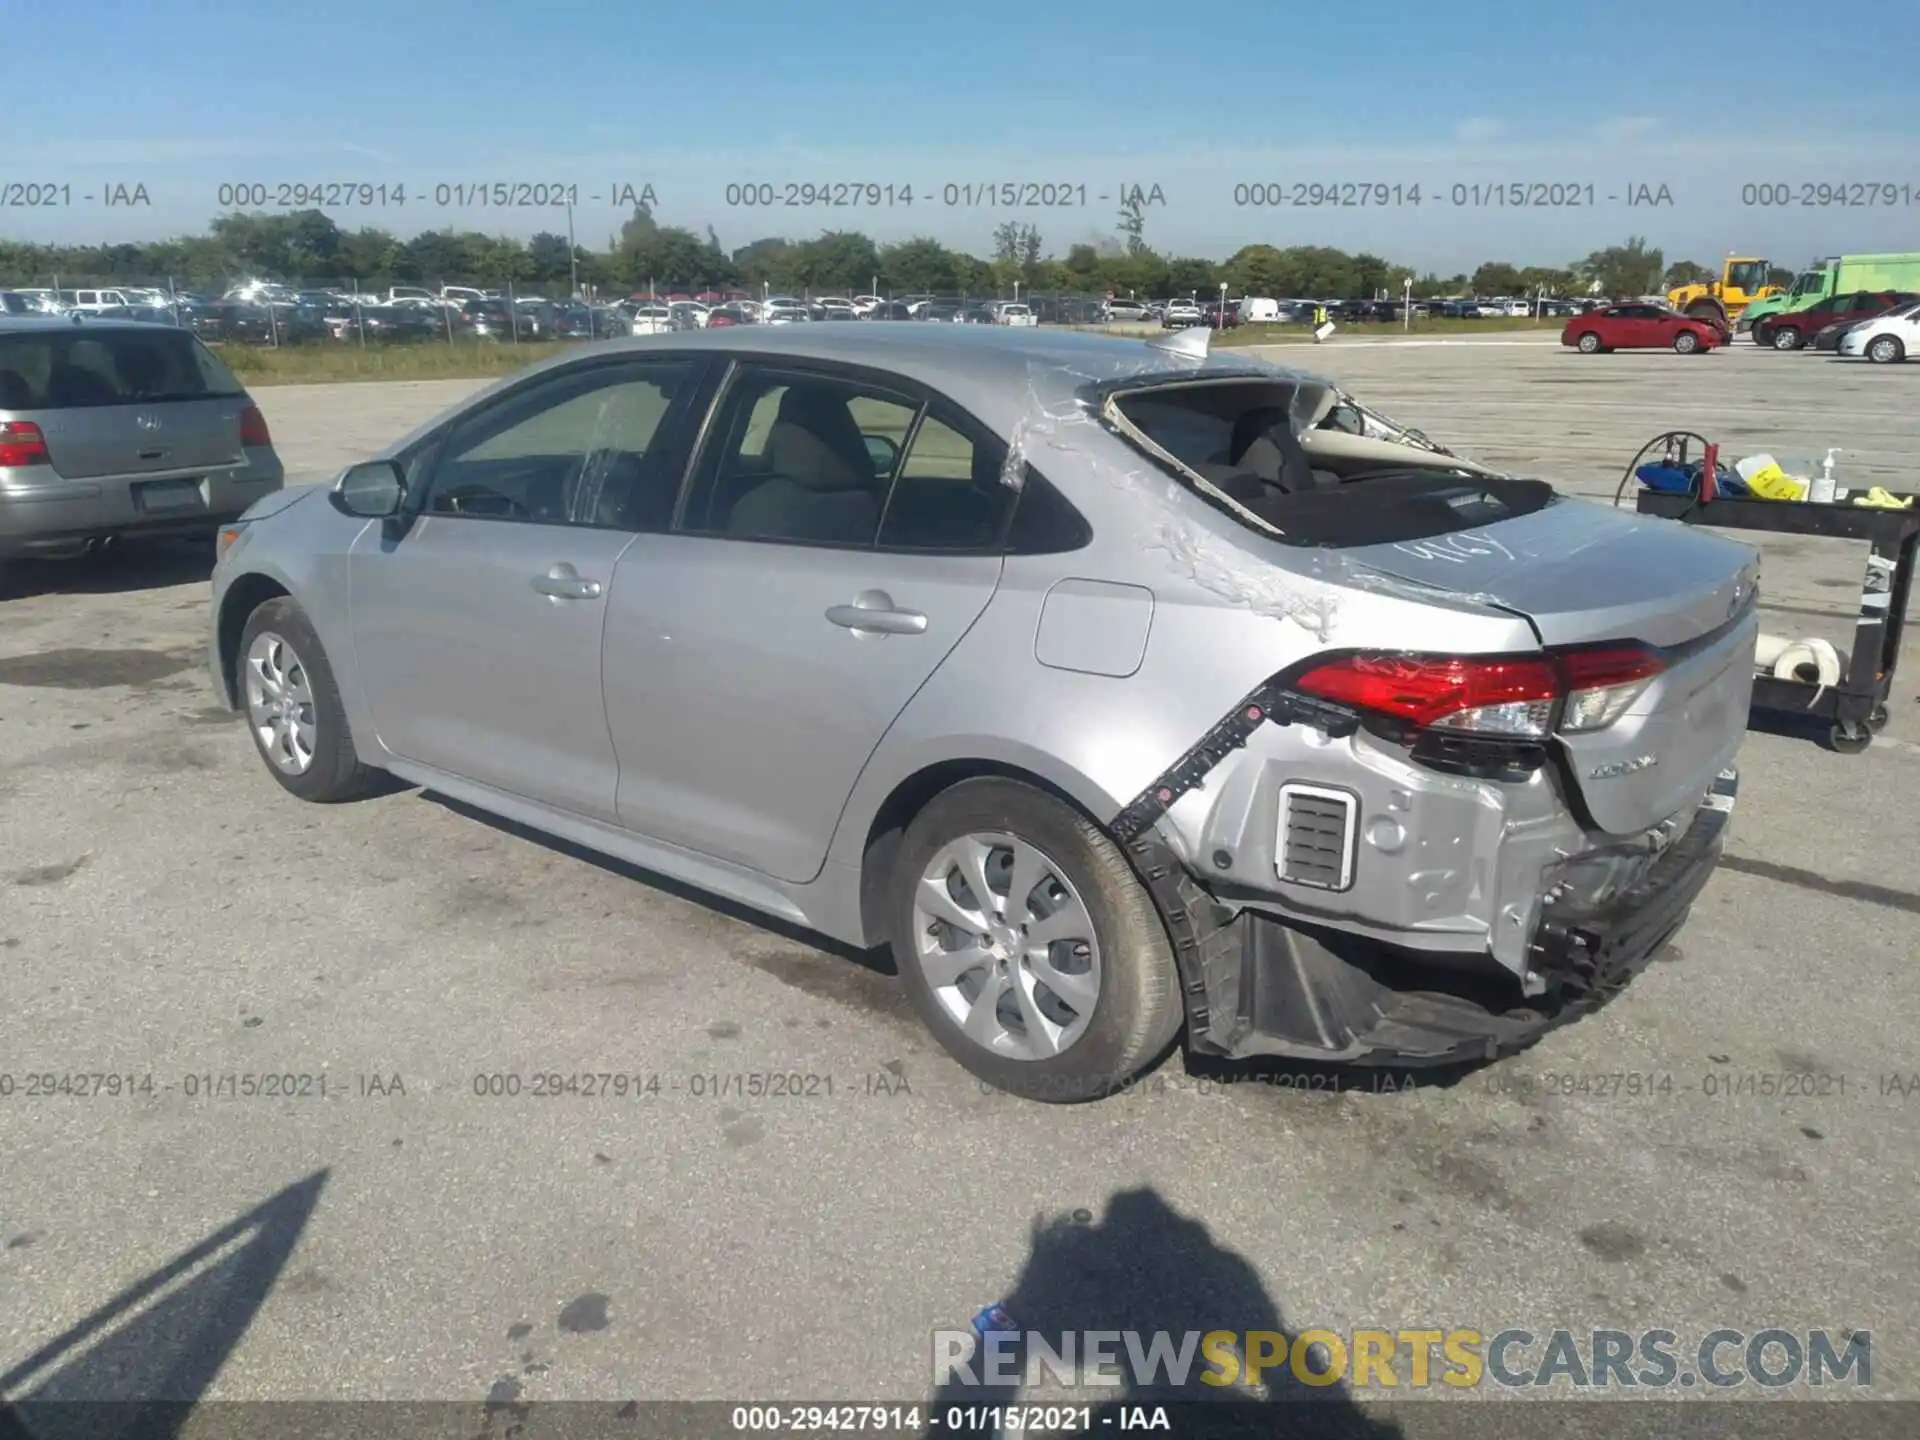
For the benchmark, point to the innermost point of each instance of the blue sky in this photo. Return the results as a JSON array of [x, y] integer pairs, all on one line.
[[190, 94]]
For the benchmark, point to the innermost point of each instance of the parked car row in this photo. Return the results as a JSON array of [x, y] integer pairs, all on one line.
[[1882, 326], [1822, 326], [1178, 314]]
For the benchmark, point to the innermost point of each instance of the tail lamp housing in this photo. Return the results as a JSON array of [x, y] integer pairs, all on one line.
[[1533, 696], [22, 444], [253, 429]]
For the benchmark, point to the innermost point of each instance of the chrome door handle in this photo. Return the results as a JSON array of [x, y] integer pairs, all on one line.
[[563, 582], [873, 612]]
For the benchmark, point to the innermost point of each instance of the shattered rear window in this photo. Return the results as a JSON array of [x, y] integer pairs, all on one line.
[[1236, 443]]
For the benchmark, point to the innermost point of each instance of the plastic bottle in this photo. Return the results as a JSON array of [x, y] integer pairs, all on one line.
[[1820, 486]]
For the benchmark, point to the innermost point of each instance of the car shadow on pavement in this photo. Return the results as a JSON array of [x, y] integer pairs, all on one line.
[[1144, 1268], [879, 959], [137, 1365], [153, 565]]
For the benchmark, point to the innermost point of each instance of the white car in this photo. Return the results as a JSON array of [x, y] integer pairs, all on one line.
[[784, 310], [1013, 313], [457, 295], [1181, 312], [1886, 338], [864, 305], [836, 302], [652, 320], [44, 301], [689, 312]]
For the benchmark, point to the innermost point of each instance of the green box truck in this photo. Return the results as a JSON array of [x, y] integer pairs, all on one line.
[[1838, 275]]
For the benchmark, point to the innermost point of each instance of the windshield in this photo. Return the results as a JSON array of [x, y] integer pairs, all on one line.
[[58, 370], [1747, 275]]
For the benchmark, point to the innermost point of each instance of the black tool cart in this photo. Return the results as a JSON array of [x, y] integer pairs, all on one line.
[[1857, 706]]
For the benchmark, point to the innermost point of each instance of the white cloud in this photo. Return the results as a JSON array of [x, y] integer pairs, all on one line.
[[1479, 129]]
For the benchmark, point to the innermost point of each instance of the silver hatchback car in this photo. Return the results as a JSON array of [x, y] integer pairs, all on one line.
[[1122, 689], [115, 429]]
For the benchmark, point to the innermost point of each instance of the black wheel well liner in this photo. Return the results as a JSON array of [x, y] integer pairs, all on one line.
[[244, 596]]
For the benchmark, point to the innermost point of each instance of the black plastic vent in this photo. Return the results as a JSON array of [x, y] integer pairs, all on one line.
[[1316, 836]]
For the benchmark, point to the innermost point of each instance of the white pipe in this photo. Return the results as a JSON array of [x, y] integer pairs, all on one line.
[[1767, 649], [1811, 662]]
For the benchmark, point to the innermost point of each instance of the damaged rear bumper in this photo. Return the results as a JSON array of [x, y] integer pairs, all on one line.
[[1258, 986]]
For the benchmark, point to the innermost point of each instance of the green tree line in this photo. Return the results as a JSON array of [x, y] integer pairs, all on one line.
[[308, 246]]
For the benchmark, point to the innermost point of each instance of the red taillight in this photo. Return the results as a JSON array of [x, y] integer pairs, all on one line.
[[1504, 695], [21, 443], [253, 428], [1507, 694]]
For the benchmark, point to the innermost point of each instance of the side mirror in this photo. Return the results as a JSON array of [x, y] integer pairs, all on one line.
[[884, 452], [373, 491]]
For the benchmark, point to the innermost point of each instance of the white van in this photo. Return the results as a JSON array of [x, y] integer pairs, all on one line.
[[1259, 310], [96, 299]]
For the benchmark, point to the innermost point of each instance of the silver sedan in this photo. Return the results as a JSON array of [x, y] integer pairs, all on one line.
[[1124, 691]]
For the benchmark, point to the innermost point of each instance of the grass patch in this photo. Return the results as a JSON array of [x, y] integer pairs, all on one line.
[[312, 364]]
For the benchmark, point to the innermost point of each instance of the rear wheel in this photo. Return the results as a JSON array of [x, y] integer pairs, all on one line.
[[1686, 342], [1785, 337], [1588, 343], [1028, 946], [1886, 349], [293, 707]]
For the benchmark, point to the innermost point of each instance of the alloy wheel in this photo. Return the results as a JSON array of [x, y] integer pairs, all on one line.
[[1007, 946], [280, 704]]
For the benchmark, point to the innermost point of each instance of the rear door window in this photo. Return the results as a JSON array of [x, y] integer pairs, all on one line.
[[73, 369], [949, 494]]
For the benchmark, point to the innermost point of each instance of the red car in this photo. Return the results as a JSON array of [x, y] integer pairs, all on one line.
[[1792, 329], [1640, 326]]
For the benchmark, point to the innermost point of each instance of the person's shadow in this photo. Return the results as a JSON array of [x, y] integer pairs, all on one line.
[[1144, 1267]]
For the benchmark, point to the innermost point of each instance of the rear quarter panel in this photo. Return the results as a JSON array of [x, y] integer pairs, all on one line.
[[1229, 610]]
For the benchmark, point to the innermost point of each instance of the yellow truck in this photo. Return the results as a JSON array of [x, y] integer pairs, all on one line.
[[1743, 280]]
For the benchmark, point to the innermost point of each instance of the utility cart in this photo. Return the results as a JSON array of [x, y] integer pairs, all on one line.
[[1857, 706]]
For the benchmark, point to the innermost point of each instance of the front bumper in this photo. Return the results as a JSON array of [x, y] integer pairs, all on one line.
[[1257, 986]]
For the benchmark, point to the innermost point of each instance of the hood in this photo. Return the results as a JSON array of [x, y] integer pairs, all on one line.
[[284, 498]]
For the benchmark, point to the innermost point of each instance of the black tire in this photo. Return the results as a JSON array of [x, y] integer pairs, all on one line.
[[1886, 350], [336, 773], [1686, 342], [1588, 343], [1785, 337], [1137, 1013]]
